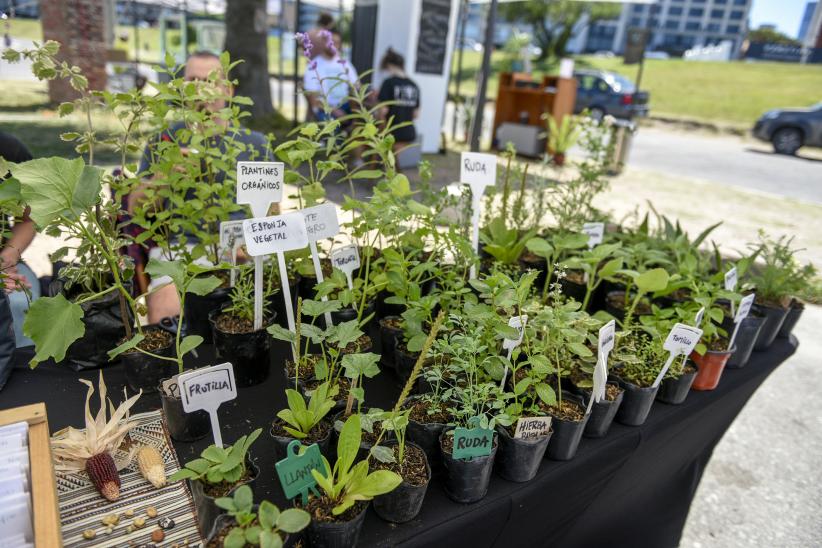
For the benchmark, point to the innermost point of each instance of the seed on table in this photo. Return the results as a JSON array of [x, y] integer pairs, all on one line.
[[128, 513], [89, 534], [151, 512], [111, 519], [130, 529], [166, 523], [139, 523], [109, 530], [158, 535]]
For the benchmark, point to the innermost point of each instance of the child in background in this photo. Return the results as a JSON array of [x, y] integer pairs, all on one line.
[[404, 97]]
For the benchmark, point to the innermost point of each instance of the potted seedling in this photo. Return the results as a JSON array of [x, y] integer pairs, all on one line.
[[236, 340], [554, 250], [639, 258], [307, 423], [561, 136], [345, 490], [639, 359], [680, 376], [596, 264], [713, 350], [218, 473], [429, 413], [244, 524], [413, 326]]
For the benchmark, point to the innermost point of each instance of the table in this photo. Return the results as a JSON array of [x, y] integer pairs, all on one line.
[[631, 488]]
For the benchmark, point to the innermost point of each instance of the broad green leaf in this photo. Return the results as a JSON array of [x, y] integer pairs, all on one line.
[[382, 453], [293, 520], [53, 323], [318, 308], [364, 364], [652, 280], [189, 343], [268, 514], [173, 269], [379, 483], [243, 498], [9, 190], [270, 539], [580, 350], [54, 187], [128, 345], [539, 246], [546, 393], [349, 443], [281, 333], [235, 538], [203, 286], [610, 268]]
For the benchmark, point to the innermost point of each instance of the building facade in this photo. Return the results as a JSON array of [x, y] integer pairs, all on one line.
[[675, 25], [807, 17]]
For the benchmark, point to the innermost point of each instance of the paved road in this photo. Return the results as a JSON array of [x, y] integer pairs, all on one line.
[[730, 161]]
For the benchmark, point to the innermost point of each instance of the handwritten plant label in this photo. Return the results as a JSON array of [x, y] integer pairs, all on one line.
[[171, 387], [205, 389], [741, 313], [275, 234], [478, 170], [231, 235], [347, 259], [321, 221], [680, 341], [607, 334], [472, 442], [294, 471], [595, 232], [259, 184], [731, 280], [518, 323], [529, 428], [605, 343]]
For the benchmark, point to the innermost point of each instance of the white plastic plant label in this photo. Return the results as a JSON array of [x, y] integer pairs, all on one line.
[[607, 334], [275, 234], [595, 232], [478, 170], [205, 389], [731, 280], [605, 343], [529, 428], [259, 184], [231, 235], [321, 221], [518, 323], [680, 341], [347, 259], [699, 316], [744, 307]]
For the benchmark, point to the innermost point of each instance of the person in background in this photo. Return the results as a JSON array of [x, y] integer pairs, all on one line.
[[21, 283], [329, 79], [325, 21], [403, 97], [162, 301]]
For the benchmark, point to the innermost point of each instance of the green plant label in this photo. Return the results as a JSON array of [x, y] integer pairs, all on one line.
[[472, 442], [294, 471], [529, 428]]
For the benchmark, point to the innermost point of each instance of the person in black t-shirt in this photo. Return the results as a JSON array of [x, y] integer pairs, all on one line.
[[404, 97]]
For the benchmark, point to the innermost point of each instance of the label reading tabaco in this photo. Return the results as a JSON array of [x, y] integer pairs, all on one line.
[[275, 234], [595, 232], [529, 428], [346, 258], [321, 221], [231, 234]]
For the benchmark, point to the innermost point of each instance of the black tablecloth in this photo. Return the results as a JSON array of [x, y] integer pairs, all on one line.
[[631, 488]]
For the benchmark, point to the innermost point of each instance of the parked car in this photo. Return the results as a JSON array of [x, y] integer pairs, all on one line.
[[602, 92], [789, 129]]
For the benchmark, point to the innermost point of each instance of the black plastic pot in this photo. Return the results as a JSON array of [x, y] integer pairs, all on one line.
[[405, 502], [573, 290], [518, 459], [467, 480], [674, 391], [745, 341], [618, 313], [182, 426], [388, 341], [247, 352], [348, 314], [144, 372], [427, 437], [794, 313], [336, 534], [567, 434], [198, 308], [281, 444], [636, 403], [602, 414], [207, 510], [773, 316], [385, 309]]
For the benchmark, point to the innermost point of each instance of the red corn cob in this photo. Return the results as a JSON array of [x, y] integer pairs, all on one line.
[[103, 474]]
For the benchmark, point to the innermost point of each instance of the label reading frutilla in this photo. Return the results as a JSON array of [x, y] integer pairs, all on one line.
[[294, 471], [529, 428], [205, 389], [321, 221], [267, 235], [472, 442]]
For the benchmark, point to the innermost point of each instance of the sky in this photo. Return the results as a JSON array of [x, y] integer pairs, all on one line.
[[785, 14]]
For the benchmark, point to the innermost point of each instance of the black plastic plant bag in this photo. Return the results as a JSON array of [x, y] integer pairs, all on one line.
[[7, 343]]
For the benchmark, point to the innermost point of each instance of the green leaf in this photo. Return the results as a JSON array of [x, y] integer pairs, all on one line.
[[54, 187], [203, 286], [243, 498], [368, 174], [652, 280], [540, 247], [128, 345], [382, 453], [349, 443], [235, 538], [270, 539], [610, 268], [364, 364], [189, 343], [268, 514], [53, 323], [580, 350], [173, 269], [546, 393], [318, 308], [379, 483], [293, 520], [282, 334]]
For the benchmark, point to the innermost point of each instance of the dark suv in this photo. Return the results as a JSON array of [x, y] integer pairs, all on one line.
[[603, 92], [788, 129]]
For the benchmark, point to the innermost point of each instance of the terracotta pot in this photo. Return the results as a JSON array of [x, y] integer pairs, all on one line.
[[711, 365]]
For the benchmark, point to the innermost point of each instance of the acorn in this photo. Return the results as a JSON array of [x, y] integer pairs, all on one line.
[[152, 466], [103, 474]]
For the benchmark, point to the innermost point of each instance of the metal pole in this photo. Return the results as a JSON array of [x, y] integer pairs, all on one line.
[[280, 67], [136, 34], [476, 123], [463, 17], [644, 46], [297, 9]]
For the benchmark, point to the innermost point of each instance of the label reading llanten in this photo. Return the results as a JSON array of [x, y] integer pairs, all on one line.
[[294, 471], [472, 442]]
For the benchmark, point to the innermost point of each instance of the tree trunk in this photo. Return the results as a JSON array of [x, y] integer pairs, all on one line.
[[246, 38]]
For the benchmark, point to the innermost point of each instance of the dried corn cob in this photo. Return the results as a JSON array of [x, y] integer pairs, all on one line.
[[103, 474], [152, 466]]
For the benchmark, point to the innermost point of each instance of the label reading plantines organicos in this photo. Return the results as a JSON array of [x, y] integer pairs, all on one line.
[[529, 428], [294, 471], [259, 184], [472, 442]]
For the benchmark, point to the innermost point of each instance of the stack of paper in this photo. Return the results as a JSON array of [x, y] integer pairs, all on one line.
[[15, 487]]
